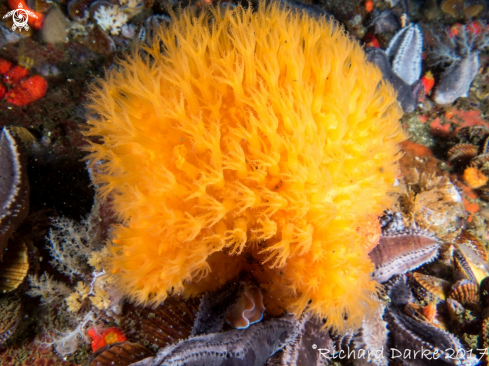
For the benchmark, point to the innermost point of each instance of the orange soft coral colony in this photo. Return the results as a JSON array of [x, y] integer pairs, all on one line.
[[258, 134]]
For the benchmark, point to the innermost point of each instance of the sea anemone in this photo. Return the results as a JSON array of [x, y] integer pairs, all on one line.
[[242, 140]]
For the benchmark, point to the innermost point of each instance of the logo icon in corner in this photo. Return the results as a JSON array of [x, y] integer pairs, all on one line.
[[20, 17]]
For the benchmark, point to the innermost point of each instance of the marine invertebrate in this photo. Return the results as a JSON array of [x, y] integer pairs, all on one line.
[[399, 252], [428, 82], [4, 66], [110, 18], [437, 287], [248, 309], [410, 336], [246, 145], [15, 265], [404, 53], [470, 154], [14, 74], [432, 202], [456, 52], [234, 347], [214, 307], [312, 346], [385, 21], [74, 252], [104, 337], [474, 177], [469, 265], [407, 95], [66, 342], [462, 153], [160, 327], [22, 91], [372, 339], [455, 81], [465, 292], [27, 91], [120, 353], [14, 187], [49, 290]]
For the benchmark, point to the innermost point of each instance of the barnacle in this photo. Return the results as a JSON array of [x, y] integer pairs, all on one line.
[[257, 141]]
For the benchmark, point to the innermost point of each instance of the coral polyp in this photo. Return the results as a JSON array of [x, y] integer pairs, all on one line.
[[247, 140]]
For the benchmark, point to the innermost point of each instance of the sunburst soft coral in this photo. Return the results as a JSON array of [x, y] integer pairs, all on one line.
[[262, 135]]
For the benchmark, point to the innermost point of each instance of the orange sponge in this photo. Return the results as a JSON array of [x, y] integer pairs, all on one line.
[[247, 140]]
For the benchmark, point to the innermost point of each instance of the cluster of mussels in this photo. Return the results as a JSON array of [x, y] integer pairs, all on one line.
[[436, 315]]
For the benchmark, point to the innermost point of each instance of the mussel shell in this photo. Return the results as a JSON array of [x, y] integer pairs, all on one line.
[[160, 327], [462, 153], [120, 354], [462, 269], [436, 287], [473, 134], [480, 161], [470, 240], [469, 265], [465, 292], [100, 42], [14, 267], [79, 10]]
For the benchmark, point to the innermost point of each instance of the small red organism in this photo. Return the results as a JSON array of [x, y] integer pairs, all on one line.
[[455, 30], [369, 6], [3, 90], [27, 91], [428, 81], [32, 21], [4, 66], [474, 27], [371, 41], [102, 338], [14, 75], [430, 312], [36, 86]]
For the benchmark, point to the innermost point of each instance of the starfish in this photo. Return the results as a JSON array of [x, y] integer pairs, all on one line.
[[251, 346]]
